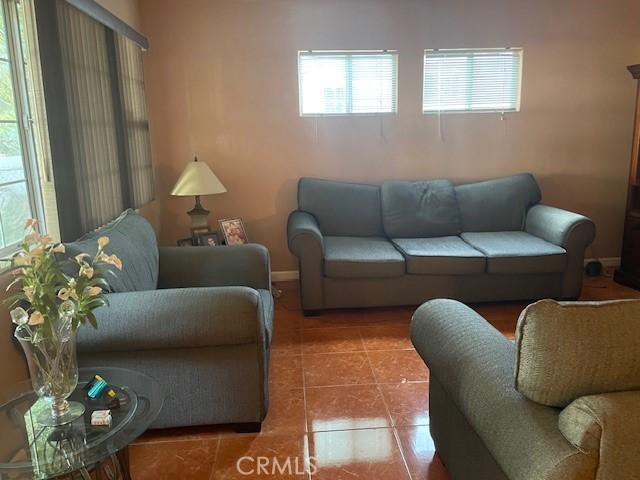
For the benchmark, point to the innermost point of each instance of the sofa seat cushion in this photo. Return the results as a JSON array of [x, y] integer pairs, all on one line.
[[361, 257], [517, 252], [440, 256]]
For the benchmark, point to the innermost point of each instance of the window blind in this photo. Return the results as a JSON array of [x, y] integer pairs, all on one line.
[[482, 80], [343, 83]]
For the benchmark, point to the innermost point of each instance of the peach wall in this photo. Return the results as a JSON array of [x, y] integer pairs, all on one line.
[[221, 83]]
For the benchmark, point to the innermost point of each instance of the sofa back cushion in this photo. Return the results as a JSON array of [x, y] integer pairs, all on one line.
[[132, 238], [341, 208], [497, 205], [420, 209], [567, 350]]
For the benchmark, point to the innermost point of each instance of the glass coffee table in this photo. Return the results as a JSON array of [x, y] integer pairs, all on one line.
[[77, 449]]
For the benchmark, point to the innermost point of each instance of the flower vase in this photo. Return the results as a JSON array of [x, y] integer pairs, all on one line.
[[53, 368]]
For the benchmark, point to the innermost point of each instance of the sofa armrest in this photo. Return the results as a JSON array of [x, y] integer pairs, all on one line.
[[174, 318], [474, 364], [239, 265], [303, 232], [306, 242], [560, 227], [606, 426]]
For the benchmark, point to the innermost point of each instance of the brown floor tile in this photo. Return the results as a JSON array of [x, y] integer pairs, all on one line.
[[331, 340], [345, 408], [386, 337], [388, 315], [371, 454], [420, 454], [286, 342], [188, 460], [334, 318], [398, 366], [286, 371], [326, 369], [408, 403], [241, 457], [287, 320], [286, 411]]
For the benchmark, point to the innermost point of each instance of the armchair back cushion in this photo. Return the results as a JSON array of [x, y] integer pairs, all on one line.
[[420, 209], [342, 209], [497, 205], [567, 350], [132, 238]]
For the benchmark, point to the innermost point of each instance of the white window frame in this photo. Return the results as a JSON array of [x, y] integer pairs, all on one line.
[[463, 111], [24, 119], [348, 52]]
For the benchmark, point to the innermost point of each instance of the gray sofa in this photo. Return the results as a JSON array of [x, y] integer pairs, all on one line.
[[197, 319], [402, 243], [559, 403]]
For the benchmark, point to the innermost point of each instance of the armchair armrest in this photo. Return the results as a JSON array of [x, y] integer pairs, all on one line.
[[561, 227], [606, 426], [303, 232], [239, 265], [474, 364], [176, 318], [306, 242]]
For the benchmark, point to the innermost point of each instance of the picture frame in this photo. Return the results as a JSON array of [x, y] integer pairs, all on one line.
[[209, 239], [233, 231], [185, 242]]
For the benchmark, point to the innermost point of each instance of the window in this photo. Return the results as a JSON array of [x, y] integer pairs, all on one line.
[[20, 196], [477, 80], [347, 83]]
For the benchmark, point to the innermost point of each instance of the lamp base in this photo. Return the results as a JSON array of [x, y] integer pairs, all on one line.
[[199, 217]]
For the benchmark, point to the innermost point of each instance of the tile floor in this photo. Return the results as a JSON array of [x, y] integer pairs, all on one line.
[[347, 389]]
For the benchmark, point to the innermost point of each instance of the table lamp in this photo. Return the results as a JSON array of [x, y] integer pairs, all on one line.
[[198, 179]]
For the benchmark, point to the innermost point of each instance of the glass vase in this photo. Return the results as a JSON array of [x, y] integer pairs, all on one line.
[[53, 367]]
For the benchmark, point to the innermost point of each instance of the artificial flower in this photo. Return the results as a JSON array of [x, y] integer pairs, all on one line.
[[64, 293], [36, 318], [36, 252], [19, 316], [103, 241], [28, 291], [21, 259], [114, 260], [93, 291], [86, 271], [58, 248], [80, 256], [31, 222]]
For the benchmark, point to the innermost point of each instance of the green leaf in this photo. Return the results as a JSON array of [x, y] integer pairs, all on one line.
[[92, 320]]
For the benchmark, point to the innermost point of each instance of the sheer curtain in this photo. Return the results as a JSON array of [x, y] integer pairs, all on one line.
[[94, 89]]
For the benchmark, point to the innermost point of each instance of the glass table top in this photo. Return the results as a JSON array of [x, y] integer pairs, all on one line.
[[46, 452]]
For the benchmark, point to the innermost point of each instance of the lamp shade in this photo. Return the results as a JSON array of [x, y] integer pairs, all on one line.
[[197, 179]]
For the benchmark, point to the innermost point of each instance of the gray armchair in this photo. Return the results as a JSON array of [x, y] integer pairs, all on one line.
[[204, 333]]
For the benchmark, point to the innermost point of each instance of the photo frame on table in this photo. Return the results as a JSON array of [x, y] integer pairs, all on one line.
[[233, 231], [209, 239]]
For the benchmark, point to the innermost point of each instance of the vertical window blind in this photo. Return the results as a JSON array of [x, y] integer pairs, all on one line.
[[343, 83], [98, 128], [479, 80]]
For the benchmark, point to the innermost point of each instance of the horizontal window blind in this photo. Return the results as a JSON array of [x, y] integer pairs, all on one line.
[[483, 80], [343, 83]]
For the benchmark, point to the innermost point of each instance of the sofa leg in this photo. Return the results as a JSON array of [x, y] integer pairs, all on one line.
[[311, 313], [253, 427]]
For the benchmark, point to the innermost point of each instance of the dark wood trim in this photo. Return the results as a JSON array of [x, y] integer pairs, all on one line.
[[104, 16], [635, 70]]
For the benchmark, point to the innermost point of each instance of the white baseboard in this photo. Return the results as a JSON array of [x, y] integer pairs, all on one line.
[[606, 262], [284, 276], [288, 275]]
